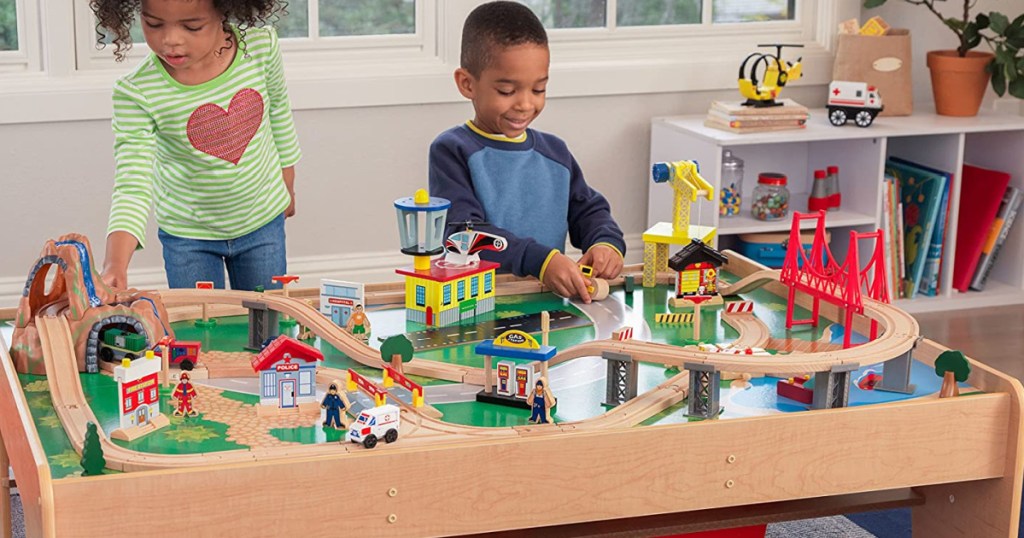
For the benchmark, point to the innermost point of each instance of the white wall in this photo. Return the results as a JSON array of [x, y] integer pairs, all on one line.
[[928, 33], [57, 178]]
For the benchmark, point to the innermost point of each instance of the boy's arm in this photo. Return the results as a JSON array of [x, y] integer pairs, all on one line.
[[282, 124], [450, 178], [590, 217]]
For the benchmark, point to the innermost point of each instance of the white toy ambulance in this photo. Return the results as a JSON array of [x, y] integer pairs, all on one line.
[[375, 423], [853, 100]]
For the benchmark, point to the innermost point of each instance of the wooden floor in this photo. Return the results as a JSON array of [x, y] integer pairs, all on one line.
[[994, 336]]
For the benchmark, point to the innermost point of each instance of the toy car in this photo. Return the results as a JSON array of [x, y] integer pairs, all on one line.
[[374, 424], [854, 100]]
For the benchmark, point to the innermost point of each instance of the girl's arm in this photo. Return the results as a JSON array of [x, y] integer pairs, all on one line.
[[282, 124], [289, 181], [134, 142]]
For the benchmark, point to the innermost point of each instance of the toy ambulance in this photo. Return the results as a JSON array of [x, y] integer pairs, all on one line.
[[375, 423], [853, 100]]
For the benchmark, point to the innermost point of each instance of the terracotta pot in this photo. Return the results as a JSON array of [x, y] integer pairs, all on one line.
[[958, 83]]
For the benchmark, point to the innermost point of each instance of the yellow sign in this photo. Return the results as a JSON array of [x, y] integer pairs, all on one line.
[[516, 338]]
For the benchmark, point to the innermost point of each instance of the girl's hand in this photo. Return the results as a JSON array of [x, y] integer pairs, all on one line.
[[290, 211], [120, 247]]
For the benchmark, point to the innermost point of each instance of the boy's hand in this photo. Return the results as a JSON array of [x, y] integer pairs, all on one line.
[[607, 263], [564, 278]]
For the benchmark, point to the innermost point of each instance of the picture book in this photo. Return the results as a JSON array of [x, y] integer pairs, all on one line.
[[981, 191], [933, 260], [920, 194]]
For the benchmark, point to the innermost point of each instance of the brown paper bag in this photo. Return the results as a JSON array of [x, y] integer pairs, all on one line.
[[882, 61]]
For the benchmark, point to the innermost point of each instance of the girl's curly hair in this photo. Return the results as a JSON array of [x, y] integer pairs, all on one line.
[[117, 16]]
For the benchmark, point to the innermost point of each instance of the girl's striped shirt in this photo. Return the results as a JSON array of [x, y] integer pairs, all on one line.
[[210, 155]]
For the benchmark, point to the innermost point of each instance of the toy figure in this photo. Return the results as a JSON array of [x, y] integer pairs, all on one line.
[[358, 324], [185, 392], [541, 401], [335, 406]]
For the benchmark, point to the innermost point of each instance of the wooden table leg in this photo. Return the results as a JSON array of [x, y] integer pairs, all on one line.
[[5, 492]]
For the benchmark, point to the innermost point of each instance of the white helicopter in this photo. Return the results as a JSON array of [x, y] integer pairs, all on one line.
[[463, 248]]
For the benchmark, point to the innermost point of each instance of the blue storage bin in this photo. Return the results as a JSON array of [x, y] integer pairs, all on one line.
[[769, 249]]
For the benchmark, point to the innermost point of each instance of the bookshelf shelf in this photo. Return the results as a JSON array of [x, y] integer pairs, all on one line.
[[989, 140]]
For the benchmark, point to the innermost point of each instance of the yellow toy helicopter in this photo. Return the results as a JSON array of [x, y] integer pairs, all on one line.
[[774, 74]]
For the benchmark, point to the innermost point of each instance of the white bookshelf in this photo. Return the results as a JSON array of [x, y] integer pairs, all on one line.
[[989, 140]]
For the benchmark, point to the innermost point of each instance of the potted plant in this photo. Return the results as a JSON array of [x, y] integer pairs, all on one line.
[[959, 76]]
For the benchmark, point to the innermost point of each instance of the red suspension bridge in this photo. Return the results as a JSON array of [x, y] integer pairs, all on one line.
[[819, 275]]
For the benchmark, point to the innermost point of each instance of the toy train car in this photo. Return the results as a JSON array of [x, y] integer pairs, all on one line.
[[118, 344], [184, 354]]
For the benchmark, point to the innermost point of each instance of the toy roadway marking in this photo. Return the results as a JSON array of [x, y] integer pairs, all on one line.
[[456, 334]]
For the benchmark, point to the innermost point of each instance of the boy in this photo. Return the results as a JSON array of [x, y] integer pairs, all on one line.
[[522, 184]]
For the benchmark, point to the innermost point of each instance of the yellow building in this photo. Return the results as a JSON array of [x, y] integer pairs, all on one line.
[[445, 295]]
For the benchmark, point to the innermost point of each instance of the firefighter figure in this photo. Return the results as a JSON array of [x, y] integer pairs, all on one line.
[[541, 401], [184, 392], [335, 405]]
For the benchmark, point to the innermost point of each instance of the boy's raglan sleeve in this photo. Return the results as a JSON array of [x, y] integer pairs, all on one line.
[[282, 123], [450, 178], [134, 142], [590, 216]]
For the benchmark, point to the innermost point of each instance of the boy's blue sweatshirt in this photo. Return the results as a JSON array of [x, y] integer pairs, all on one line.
[[530, 191]]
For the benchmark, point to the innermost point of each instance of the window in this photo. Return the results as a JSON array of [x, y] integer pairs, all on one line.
[[269, 384], [447, 294], [474, 286], [305, 382], [560, 14], [361, 53], [8, 25], [421, 296], [335, 18], [462, 289], [488, 282]]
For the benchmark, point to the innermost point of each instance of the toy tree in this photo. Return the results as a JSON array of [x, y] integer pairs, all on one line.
[[397, 349], [952, 367], [92, 453]]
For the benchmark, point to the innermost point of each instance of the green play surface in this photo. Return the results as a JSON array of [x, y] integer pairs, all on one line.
[[579, 398]]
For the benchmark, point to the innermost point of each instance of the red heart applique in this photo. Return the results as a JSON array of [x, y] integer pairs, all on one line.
[[226, 133]]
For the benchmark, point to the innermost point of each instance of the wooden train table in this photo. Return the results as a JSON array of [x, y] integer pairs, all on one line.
[[957, 462]]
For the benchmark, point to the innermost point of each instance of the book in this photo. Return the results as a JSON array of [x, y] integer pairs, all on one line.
[[757, 129], [930, 280], [736, 108], [981, 191], [721, 115], [997, 236], [920, 191]]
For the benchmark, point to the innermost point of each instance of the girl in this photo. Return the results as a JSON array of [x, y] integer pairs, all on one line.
[[203, 127]]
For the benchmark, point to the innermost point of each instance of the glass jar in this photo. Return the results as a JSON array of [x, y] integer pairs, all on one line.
[[730, 198], [771, 197]]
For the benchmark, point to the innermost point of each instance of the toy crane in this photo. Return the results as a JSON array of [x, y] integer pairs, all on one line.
[[688, 185]]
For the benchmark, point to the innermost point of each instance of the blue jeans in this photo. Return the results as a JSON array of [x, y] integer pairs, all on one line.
[[251, 259]]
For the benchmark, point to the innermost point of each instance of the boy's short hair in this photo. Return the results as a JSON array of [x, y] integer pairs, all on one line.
[[498, 24]]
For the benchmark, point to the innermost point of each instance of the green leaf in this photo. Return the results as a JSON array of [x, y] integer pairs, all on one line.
[[1017, 88], [873, 3], [982, 21], [998, 22], [955, 24], [998, 81]]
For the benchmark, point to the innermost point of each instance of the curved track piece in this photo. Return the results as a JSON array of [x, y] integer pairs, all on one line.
[[750, 282]]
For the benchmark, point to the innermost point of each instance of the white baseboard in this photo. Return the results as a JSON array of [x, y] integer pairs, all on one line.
[[359, 267]]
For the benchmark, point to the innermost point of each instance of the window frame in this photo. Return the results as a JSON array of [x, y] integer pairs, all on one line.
[[389, 70], [27, 58]]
